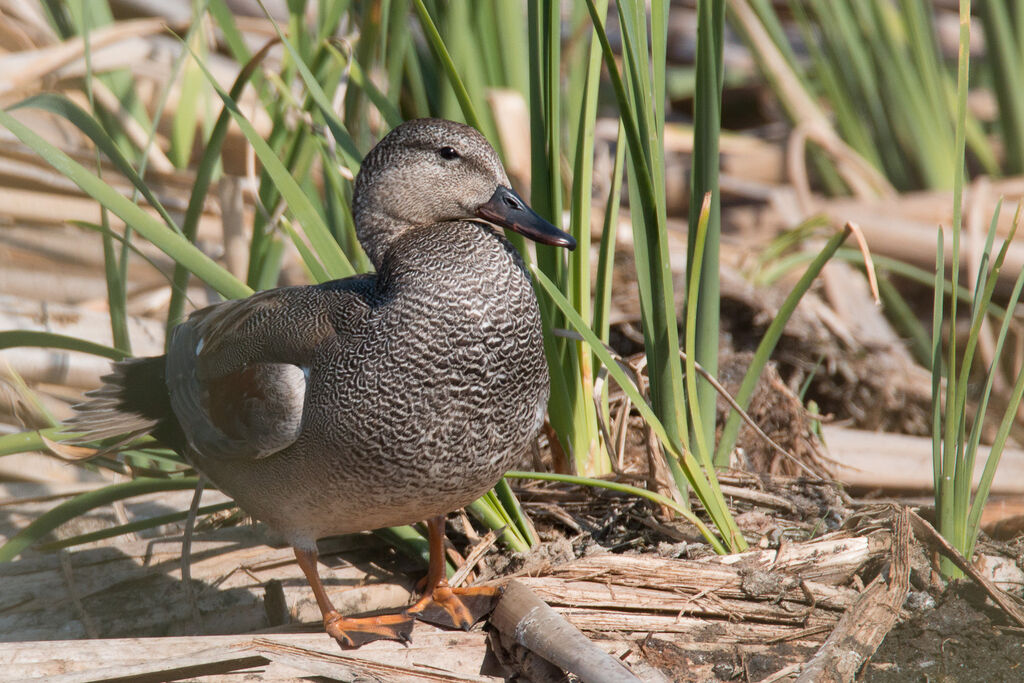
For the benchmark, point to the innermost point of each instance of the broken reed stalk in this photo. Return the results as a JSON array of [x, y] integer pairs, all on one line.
[[531, 623]]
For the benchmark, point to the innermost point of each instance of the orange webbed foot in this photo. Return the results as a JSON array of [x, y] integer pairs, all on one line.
[[456, 607], [443, 605], [355, 632]]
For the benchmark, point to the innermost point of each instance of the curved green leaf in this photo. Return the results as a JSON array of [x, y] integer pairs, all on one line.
[[11, 338], [84, 502], [138, 525], [771, 338]]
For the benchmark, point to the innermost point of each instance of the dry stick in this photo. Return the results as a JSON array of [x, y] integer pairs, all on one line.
[[211, 662], [474, 557], [928, 535], [862, 627], [531, 623], [869, 263], [749, 420], [350, 667]]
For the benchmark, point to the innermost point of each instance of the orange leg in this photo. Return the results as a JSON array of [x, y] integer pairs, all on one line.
[[347, 631], [441, 603]]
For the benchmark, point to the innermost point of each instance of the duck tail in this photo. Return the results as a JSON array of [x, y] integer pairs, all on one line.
[[132, 402]]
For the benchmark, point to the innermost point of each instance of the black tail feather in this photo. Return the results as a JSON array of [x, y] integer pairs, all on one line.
[[132, 402]]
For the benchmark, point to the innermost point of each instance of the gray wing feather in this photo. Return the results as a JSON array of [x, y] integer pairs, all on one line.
[[236, 371]]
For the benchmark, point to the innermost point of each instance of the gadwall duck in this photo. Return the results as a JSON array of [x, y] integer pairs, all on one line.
[[372, 401]]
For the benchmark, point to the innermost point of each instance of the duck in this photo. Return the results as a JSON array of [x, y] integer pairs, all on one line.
[[377, 400]]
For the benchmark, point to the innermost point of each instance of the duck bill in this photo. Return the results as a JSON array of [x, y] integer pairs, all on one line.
[[507, 209]]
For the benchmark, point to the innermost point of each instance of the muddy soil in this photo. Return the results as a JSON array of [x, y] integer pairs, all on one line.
[[960, 639]]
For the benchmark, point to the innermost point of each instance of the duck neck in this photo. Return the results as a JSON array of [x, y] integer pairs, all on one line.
[[377, 239], [453, 254]]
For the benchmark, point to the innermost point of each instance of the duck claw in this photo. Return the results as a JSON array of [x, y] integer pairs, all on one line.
[[351, 633], [458, 607]]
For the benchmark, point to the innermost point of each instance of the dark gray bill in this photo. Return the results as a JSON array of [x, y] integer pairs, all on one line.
[[507, 209]]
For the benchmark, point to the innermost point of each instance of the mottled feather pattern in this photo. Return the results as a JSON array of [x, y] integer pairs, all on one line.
[[442, 391]]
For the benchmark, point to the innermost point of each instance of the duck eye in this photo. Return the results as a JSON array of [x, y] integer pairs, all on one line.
[[448, 153]]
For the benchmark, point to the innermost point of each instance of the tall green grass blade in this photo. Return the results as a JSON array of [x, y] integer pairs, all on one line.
[[190, 104], [952, 513], [469, 56], [1009, 416], [369, 17], [984, 289], [442, 55], [545, 121], [510, 17], [1006, 59], [417, 82], [701, 438], [924, 69], [225, 21], [564, 409], [590, 457], [938, 304], [388, 110], [702, 260], [650, 243]]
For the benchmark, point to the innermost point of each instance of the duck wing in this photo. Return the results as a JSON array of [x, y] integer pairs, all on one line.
[[237, 371]]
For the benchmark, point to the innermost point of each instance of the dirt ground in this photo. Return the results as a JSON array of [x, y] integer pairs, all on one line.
[[960, 638]]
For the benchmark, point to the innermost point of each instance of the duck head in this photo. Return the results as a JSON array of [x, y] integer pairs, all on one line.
[[430, 171]]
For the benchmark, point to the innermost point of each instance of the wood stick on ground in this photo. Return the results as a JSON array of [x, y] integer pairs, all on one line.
[[351, 667], [207, 663], [529, 621], [861, 629], [930, 536]]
